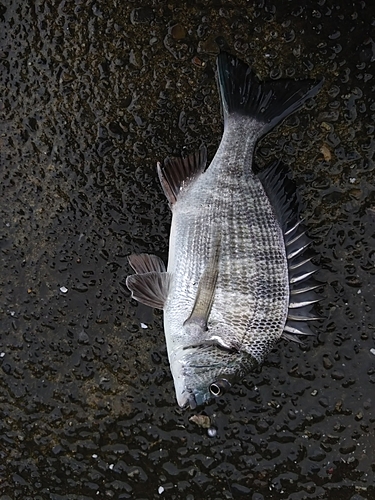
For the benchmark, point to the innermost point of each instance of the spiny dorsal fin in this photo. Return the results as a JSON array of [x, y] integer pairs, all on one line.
[[206, 290], [150, 284], [178, 172]]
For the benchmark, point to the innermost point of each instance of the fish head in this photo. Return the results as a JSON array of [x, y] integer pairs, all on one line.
[[203, 372]]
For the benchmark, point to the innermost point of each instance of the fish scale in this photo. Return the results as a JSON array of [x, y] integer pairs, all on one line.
[[235, 246], [235, 207]]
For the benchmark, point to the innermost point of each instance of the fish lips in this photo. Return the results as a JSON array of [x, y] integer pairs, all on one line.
[[198, 398], [188, 393], [192, 400], [186, 397]]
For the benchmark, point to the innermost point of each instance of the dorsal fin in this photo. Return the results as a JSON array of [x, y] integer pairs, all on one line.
[[179, 172], [281, 191]]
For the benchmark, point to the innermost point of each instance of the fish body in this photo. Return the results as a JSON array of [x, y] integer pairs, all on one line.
[[226, 293]]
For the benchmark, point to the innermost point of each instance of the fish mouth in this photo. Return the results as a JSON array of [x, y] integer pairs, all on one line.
[[192, 402], [187, 400]]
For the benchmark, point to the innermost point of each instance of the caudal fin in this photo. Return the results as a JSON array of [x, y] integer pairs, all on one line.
[[266, 102]]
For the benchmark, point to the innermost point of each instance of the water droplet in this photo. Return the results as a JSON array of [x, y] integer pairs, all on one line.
[[83, 338], [211, 432]]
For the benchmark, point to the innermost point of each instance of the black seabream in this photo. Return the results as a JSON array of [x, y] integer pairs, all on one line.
[[237, 280]]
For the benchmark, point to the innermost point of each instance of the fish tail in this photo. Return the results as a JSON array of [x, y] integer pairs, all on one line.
[[269, 102]]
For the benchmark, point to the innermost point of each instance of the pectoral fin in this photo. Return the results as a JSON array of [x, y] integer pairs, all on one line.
[[206, 291], [150, 284], [150, 288], [146, 263]]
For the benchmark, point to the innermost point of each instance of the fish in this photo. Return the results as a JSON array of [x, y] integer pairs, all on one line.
[[238, 278]]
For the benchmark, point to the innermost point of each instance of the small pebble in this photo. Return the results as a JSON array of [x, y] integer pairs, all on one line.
[[143, 325], [63, 289], [326, 153], [178, 32], [372, 351], [160, 490], [198, 62], [201, 421]]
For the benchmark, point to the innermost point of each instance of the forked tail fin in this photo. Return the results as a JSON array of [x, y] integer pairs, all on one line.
[[269, 102]]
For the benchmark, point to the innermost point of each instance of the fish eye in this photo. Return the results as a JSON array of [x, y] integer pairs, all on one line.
[[219, 387]]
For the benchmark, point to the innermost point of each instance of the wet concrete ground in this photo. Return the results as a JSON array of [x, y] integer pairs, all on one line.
[[93, 93]]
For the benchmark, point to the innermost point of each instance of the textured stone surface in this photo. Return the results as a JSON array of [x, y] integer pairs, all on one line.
[[92, 94]]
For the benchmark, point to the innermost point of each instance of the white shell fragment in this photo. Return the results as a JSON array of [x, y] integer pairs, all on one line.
[[211, 432]]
